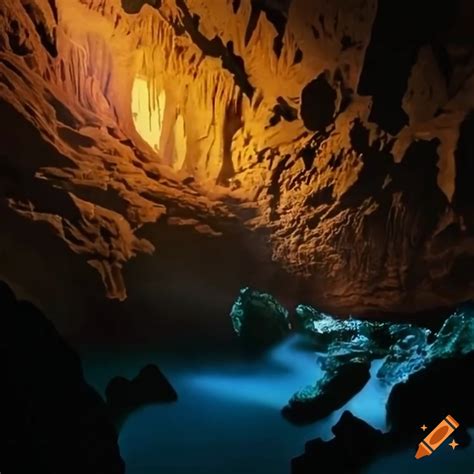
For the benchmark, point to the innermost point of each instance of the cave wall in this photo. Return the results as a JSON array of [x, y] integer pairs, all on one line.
[[334, 137]]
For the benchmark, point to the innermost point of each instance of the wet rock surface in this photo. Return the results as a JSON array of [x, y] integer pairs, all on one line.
[[406, 355], [150, 386], [52, 420], [341, 381], [259, 320], [426, 394], [346, 349]]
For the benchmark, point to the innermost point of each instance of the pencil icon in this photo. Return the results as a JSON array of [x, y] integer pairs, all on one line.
[[437, 437]]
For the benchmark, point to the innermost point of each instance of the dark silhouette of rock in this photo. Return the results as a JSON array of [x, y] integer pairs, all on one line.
[[346, 370], [52, 421], [149, 386], [354, 444], [322, 93], [442, 388]]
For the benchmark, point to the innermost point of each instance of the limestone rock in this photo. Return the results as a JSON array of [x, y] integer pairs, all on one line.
[[406, 355], [343, 378], [327, 331], [456, 337], [428, 387], [258, 319]]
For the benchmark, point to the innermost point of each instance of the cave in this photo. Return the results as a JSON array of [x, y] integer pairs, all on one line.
[[158, 157]]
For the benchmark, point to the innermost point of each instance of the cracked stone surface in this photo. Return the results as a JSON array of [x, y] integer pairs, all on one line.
[[337, 144]]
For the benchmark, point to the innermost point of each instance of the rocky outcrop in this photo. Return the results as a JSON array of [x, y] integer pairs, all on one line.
[[336, 142], [425, 396], [259, 320], [347, 347], [408, 353], [440, 386], [424, 399], [52, 420], [354, 445], [150, 386], [343, 378]]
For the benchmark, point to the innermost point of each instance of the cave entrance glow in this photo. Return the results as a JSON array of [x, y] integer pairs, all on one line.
[[159, 122], [148, 112]]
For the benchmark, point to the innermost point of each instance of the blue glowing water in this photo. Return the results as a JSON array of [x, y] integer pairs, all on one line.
[[227, 419]]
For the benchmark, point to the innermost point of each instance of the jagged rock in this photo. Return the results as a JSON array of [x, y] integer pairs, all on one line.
[[258, 319], [325, 329], [456, 337], [440, 386], [404, 345], [52, 420], [343, 378], [354, 444], [406, 355], [425, 393], [347, 347], [150, 386]]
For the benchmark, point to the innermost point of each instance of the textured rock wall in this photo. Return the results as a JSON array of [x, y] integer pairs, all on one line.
[[337, 134]]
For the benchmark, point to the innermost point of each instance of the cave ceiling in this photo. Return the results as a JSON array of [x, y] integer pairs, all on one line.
[[338, 134]]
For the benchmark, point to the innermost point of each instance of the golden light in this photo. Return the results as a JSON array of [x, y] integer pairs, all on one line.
[[159, 123], [148, 112]]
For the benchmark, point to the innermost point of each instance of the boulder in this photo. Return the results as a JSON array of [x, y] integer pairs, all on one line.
[[150, 386], [354, 443], [259, 320], [346, 372], [456, 336]]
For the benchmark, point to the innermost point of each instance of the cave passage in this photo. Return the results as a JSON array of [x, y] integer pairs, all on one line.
[[158, 122], [148, 112]]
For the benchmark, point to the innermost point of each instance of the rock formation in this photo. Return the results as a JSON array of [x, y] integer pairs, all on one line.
[[150, 386], [52, 420], [343, 378], [259, 320], [354, 445], [334, 138], [347, 347], [433, 389]]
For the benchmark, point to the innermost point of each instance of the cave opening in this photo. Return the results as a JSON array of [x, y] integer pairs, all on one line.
[[148, 112], [158, 121]]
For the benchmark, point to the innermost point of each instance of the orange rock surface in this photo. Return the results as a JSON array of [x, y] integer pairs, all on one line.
[[271, 126]]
